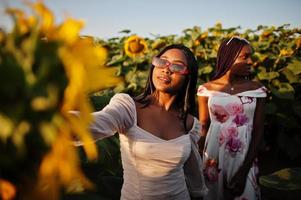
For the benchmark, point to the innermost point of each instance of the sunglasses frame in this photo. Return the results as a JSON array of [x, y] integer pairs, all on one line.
[[169, 65]]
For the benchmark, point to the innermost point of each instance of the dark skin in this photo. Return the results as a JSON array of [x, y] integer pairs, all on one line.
[[164, 124], [161, 117], [234, 78]]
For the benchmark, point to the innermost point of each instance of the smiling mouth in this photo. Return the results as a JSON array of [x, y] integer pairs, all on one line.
[[164, 79]]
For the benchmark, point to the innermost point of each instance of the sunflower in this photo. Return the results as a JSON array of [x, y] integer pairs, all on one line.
[[7, 190], [135, 46]]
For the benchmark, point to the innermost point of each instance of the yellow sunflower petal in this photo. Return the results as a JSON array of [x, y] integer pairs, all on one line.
[[103, 78], [47, 18], [135, 46], [69, 30], [7, 190]]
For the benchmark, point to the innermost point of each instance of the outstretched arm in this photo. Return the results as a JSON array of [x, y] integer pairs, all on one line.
[[117, 116]]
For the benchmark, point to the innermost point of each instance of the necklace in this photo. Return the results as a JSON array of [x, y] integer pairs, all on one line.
[[232, 88]]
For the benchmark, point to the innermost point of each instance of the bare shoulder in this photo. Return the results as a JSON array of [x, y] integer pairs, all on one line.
[[254, 85], [190, 121], [209, 85]]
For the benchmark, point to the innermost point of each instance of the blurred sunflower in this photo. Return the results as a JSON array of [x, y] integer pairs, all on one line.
[[135, 46], [57, 79], [298, 42], [201, 38], [286, 52], [7, 190]]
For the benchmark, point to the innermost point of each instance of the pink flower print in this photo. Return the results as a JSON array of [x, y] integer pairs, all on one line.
[[234, 108], [229, 131], [211, 170], [232, 131], [220, 113], [234, 145], [241, 119], [221, 139], [226, 133]]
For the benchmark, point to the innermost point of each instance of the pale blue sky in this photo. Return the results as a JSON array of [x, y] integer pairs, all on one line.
[[105, 18]]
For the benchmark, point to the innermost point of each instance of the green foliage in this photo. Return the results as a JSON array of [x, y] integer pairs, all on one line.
[[30, 70], [105, 173], [285, 179], [277, 64]]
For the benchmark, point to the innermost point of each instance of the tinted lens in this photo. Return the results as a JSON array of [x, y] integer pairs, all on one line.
[[177, 68], [159, 62]]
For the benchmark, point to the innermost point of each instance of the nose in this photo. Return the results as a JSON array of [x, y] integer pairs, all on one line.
[[166, 70], [250, 61]]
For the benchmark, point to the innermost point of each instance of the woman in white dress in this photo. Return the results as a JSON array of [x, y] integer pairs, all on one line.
[[158, 133], [231, 111]]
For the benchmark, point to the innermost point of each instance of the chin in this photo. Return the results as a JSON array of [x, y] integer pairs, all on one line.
[[167, 90]]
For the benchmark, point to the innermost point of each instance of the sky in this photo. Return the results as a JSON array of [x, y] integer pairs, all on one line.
[[147, 18]]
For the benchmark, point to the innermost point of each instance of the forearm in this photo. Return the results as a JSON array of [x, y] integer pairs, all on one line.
[[203, 134], [204, 121]]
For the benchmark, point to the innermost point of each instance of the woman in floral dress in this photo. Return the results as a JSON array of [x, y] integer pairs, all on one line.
[[231, 111]]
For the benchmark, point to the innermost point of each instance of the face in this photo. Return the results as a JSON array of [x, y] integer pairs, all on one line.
[[243, 63], [165, 79]]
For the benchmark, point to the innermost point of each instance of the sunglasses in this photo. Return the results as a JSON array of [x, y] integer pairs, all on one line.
[[238, 38], [175, 68]]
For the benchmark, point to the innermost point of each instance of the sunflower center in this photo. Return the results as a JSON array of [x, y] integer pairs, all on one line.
[[135, 46]]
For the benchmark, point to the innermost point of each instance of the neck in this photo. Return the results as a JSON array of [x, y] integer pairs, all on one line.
[[231, 80], [164, 100]]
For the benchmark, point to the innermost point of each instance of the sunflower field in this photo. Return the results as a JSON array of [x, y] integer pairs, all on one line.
[[48, 69]]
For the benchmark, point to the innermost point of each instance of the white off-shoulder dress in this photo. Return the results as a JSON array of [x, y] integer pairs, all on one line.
[[228, 139], [152, 167]]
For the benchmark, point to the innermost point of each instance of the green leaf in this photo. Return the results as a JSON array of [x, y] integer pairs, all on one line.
[[285, 179], [290, 76], [206, 70], [295, 67], [116, 60], [267, 75], [158, 44], [125, 31], [283, 90]]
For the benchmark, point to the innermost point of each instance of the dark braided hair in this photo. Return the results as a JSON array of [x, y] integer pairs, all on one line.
[[186, 98], [227, 54]]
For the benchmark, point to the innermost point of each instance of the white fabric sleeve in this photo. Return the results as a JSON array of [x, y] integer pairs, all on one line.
[[202, 91], [118, 116], [195, 132]]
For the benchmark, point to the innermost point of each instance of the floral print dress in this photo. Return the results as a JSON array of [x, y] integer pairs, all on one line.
[[228, 139]]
